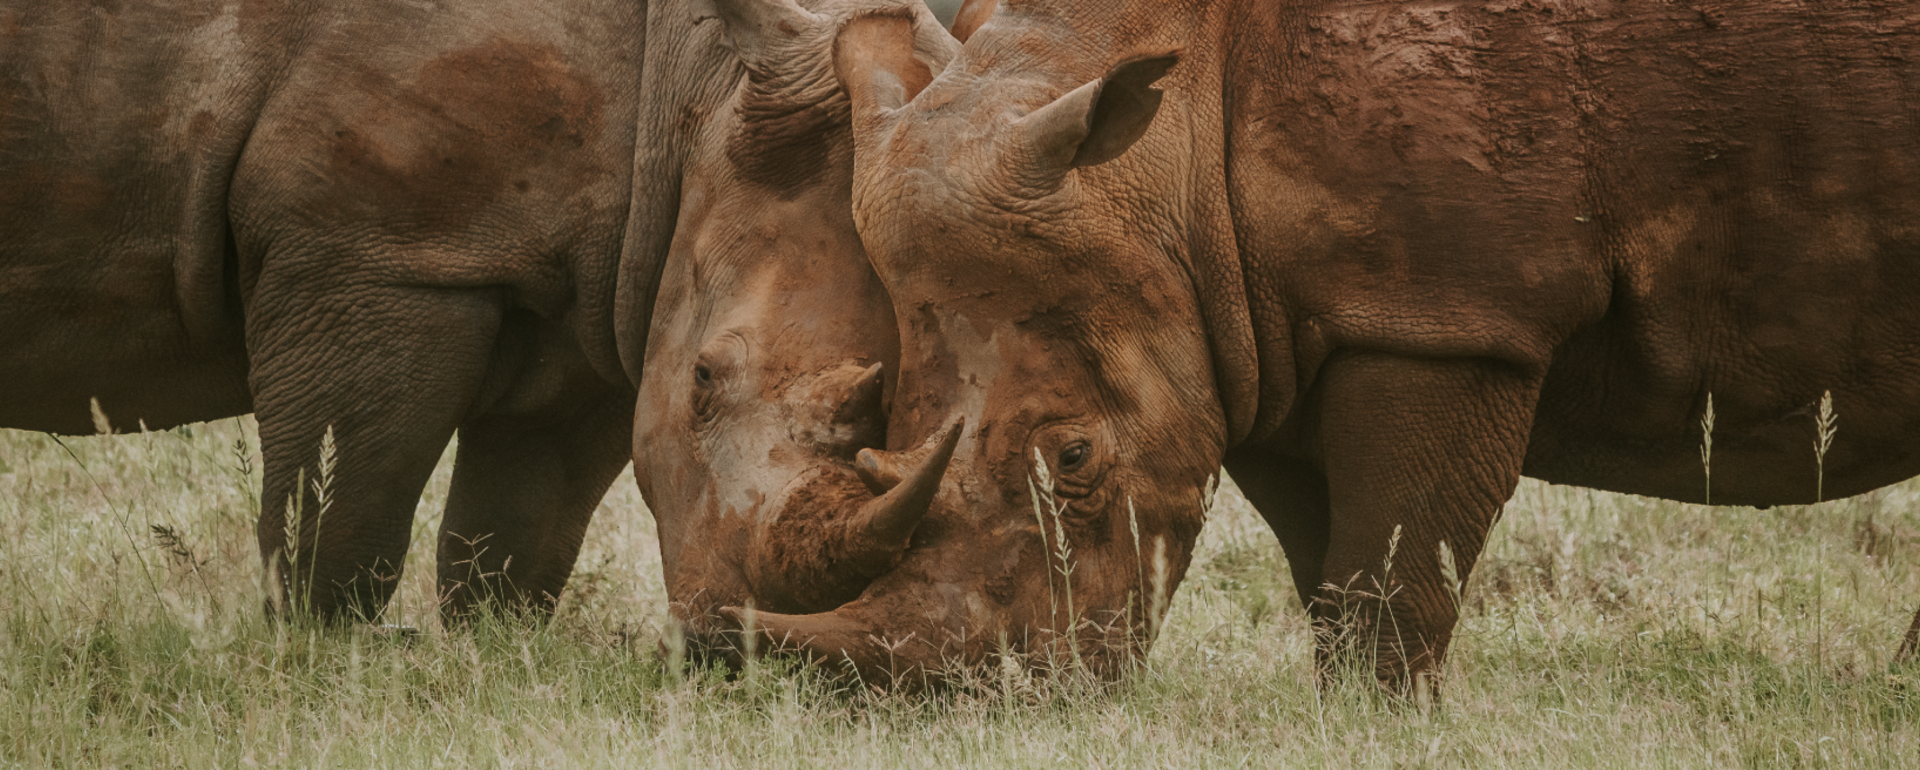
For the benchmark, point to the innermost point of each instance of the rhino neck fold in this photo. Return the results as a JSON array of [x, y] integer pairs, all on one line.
[[1193, 129], [671, 47]]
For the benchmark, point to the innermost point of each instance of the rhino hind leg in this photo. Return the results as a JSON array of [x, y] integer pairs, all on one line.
[[524, 490], [389, 372], [1420, 452]]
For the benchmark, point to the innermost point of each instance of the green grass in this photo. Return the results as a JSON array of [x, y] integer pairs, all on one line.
[[1599, 630]]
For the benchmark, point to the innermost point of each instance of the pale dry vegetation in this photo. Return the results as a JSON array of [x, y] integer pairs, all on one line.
[[1599, 630]]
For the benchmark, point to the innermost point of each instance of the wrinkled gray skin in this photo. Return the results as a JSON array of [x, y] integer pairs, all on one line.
[[1379, 259], [395, 221]]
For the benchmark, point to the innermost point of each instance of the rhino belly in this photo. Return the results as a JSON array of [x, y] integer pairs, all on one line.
[[1626, 413], [69, 337]]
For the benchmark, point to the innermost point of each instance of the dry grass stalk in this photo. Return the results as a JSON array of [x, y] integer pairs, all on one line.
[[1706, 448], [1823, 440], [1671, 636]]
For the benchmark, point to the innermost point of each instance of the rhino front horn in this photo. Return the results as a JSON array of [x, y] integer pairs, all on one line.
[[847, 638], [879, 532]]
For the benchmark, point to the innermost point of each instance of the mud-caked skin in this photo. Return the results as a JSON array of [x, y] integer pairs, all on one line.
[[399, 221], [1380, 260], [984, 573], [773, 343]]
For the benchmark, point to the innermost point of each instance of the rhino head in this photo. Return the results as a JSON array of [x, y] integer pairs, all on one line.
[[773, 344], [1045, 320]]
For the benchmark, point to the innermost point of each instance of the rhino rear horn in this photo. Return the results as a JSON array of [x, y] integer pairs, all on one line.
[[864, 397], [1094, 123]]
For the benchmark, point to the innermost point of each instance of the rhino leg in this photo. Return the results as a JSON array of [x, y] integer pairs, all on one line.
[[1430, 449], [391, 371], [1292, 496], [524, 490]]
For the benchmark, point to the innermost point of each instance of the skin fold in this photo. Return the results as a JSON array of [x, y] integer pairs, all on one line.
[[1378, 260], [387, 223]]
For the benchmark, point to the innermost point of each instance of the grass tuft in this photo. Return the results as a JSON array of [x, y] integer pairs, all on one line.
[[1596, 631]]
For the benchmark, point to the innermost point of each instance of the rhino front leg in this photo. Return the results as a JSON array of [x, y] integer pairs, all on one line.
[[1418, 452], [391, 371], [524, 490], [1292, 496]]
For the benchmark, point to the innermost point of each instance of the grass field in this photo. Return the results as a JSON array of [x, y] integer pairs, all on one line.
[[1599, 631]]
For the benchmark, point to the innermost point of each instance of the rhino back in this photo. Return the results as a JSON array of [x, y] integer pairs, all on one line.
[[1650, 203], [172, 153], [119, 129]]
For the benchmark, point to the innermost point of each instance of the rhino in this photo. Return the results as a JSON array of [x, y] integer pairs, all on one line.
[[373, 225], [764, 381], [1378, 260]]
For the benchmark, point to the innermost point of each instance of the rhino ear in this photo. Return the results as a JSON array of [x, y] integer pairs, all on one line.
[[970, 17], [1096, 122], [757, 30], [876, 59]]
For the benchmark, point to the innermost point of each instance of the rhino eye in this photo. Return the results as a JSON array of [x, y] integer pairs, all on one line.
[[1074, 456]]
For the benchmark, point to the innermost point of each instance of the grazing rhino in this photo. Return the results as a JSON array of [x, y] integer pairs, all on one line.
[[391, 222], [764, 375], [1380, 260]]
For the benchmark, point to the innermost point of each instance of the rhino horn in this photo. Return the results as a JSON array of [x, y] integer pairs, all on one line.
[[879, 532], [864, 396], [846, 638]]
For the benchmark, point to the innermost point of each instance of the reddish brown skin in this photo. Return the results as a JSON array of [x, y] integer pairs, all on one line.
[[389, 221], [970, 17], [400, 222], [751, 410], [1380, 260]]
